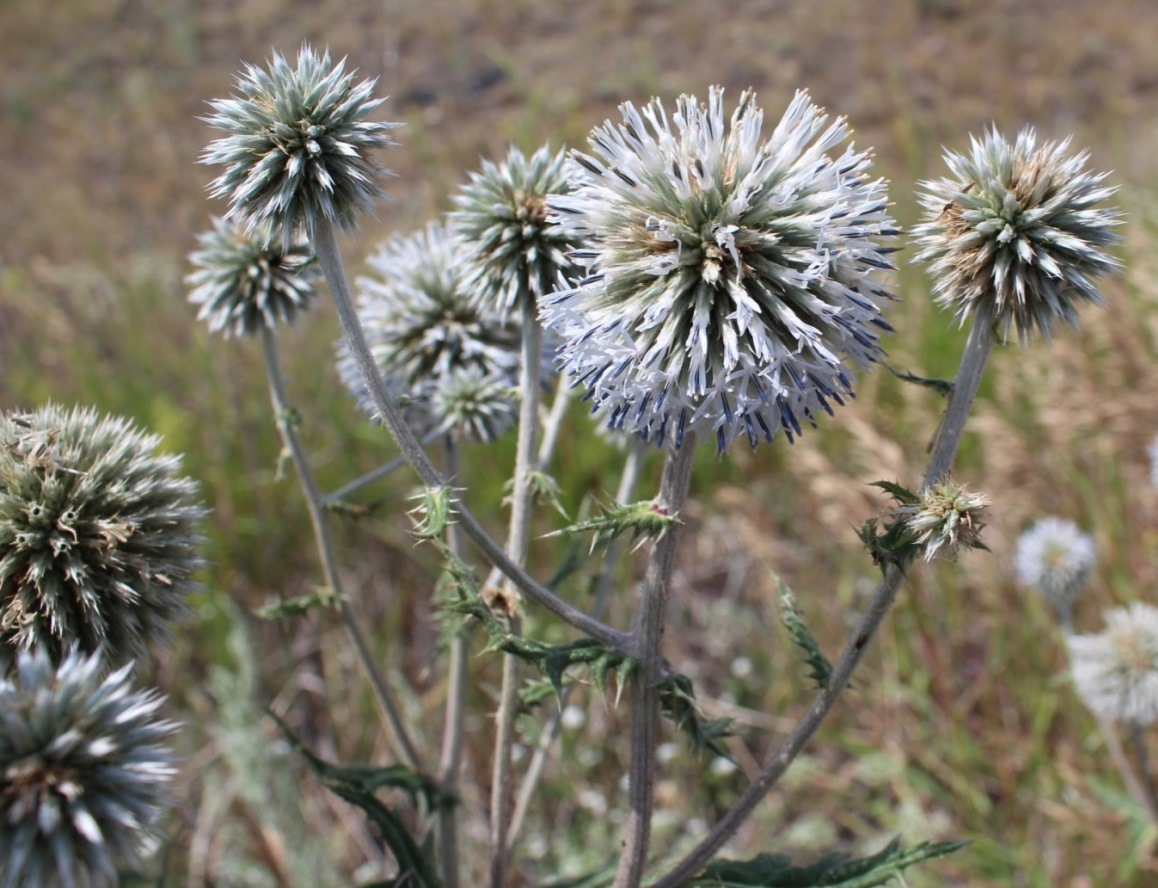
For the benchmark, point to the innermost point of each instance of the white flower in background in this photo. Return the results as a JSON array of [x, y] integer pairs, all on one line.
[[730, 286], [1056, 558], [1116, 671]]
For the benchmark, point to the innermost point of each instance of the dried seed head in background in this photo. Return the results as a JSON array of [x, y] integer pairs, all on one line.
[[1116, 671], [1056, 558]]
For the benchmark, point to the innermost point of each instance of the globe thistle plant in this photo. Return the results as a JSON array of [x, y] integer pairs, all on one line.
[[298, 149], [731, 282], [1015, 236], [98, 535], [515, 255], [948, 518], [1116, 671], [423, 328], [1056, 558], [473, 406], [84, 772], [244, 281]]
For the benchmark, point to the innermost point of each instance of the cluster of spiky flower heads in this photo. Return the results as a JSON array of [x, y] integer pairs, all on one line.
[[1055, 557], [450, 361], [245, 281], [98, 535], [1015, 237], [730, 283], [515, 255], [1116, 671], [948, 518], [84, 772], [298, 149]]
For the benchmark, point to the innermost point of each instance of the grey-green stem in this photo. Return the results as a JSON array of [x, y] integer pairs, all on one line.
[[399, 737], [325, 245], [648, 631], [977, 348]]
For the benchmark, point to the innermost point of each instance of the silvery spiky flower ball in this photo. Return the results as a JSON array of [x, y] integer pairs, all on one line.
[[298, 149], [473, 406], [515, 255], [948, 518], [1116, 672], [98, 535], [730, 280], [84, 773], [1015, 236], [422, 326], [1056, 558], [244, 282]]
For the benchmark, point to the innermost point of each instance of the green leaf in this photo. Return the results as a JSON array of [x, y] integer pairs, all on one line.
[[943, 387], [677, 701], [833, 870], [645, 520], [902, 495], [295, 607], [890, 541], [798, 629]]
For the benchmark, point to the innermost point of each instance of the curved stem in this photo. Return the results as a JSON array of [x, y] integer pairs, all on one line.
[[326, 246], [374, 474], [400, 738], [673, 492], [977, 348]]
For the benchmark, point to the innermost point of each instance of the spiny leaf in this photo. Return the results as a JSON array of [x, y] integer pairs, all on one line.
[[891, 541], [798, 629], [645, 520], [295, 607], [677, 701], [833, 870], [943, 387], [545, 489], [432, 514], [901, 494]]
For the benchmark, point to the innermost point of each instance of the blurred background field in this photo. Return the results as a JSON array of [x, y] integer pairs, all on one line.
[[961, 723]]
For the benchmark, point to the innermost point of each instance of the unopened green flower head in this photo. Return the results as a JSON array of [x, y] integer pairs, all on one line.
[[515, 254], [98, 534], [1015, 236], [299, 146], [244, 281], [423, 327], [1116, 671], [1055, 557], [84, 772], [948, 518], [731, 284]]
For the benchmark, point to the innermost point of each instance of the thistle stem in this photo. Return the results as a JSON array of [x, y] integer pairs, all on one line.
[[1144, 791], [518, 541], [648, 631], [977, 348], [373, 475], [325, 246], [399, 737]]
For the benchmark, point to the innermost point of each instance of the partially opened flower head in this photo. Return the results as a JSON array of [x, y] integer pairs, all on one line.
[[948, 517], [299, 146], [423, 327], [98, 535], [1116, 672], [244, 282], [1055, 557], [84, 772], [1015, 236], [514, 254], [732, 284]]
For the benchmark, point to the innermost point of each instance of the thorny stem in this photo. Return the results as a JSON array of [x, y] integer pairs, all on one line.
[[518, 541], [450, 761], [648, 631], [627, 482], [399, 737], [325, 245], [1146, 793], [977, 348]]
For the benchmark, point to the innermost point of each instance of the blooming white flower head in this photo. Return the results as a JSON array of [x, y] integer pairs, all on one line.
[[1015, 235], [423, 329], [730, 283], [98, 535], [244, 282], [84, 772], [298, 149], [1056, 558], [469, 405], [514, 254], [948, 518], [1116, 672]]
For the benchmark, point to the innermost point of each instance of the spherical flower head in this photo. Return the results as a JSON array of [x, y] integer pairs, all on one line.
[[299, 146], [948, 518], [1015, 235], [1116, 672], [515, 255], [244, 282], [423, 327], [1056, 558], [84, 772], [731, 279], [98, 535], [472, 406]]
